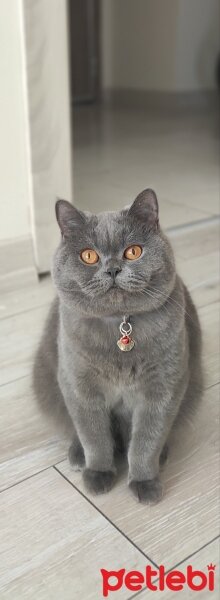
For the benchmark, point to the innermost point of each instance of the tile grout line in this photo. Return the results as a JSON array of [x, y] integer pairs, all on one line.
[[111, 522], [29, 476], [23, 312], [191, 225], [205, 305], [105, 517], [178, 564], [193, 553], [211, 386], [13, 380], [204, 282]]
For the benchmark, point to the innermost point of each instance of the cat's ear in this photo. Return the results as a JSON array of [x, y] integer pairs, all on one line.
[[145, 208], [68, 217]]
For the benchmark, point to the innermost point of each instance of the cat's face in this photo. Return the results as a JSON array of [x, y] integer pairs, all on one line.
[[113, 263]]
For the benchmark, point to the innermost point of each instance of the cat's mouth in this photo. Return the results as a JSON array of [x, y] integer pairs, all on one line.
[[114, 288], [117, 289]]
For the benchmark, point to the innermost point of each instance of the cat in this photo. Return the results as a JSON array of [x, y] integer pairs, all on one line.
[[111, 268]]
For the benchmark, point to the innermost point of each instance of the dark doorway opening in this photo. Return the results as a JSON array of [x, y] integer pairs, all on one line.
[[84, 40]]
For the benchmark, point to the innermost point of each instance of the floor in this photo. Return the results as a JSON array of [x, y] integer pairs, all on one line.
[[55, 537], [119, 151]]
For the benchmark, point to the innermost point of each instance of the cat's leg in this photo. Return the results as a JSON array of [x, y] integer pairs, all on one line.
[[76, 453], [93, 427], [143, 459], [151, 423]]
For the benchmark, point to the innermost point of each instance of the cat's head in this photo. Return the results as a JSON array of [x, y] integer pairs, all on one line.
[[113, 263]]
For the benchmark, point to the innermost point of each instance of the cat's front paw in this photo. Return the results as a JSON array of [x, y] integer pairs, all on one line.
[[98, 482], [76, 457], [149, 491]]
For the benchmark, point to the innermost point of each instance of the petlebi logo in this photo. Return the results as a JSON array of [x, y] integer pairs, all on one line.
[[159, 580]]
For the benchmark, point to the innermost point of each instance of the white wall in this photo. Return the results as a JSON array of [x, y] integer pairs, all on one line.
[[198, 44], [161, 45], [14, 186]]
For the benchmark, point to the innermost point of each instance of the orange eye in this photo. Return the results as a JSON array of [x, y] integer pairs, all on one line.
[[133, 252], [90, 257]]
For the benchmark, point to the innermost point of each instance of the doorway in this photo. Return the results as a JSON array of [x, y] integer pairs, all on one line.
[[141, 105], [84, 50]]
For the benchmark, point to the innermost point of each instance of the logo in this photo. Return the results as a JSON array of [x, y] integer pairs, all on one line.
[[158, 580]]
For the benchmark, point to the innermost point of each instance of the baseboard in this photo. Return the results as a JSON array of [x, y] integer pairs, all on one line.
[[160, 100], [16, 255]]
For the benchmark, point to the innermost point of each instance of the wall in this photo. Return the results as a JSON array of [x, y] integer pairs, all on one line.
[[14, 184], [160, 45], [197, 44]]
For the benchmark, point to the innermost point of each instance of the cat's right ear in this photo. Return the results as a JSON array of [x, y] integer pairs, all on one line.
[[68, 217]]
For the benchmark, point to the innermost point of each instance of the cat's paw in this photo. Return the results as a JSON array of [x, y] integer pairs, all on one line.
[[147, 492], [76, 457], [98, 482]]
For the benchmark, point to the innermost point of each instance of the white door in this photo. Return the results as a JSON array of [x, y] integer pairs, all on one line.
[[46, 68]]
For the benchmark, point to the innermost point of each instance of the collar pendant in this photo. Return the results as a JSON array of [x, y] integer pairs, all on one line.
[[125, 343]]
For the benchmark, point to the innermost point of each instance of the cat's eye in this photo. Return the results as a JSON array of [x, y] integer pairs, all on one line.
[[133, 252], [89, 256]]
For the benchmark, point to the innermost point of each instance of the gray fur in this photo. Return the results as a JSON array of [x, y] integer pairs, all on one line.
[[83, 380]]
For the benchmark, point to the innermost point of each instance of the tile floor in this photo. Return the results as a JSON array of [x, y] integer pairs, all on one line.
[[55, 537], [120, 151]]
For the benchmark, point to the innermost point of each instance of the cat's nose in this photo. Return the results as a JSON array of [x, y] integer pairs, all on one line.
[[113, 272]]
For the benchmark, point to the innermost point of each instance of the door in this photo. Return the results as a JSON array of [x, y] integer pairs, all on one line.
[[47, 91]]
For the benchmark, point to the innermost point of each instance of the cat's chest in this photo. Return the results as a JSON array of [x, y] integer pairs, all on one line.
[[100, 349], [93, 345], [122, 341]]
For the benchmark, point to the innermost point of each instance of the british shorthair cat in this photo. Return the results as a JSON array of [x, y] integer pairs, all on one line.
[[120, 355]]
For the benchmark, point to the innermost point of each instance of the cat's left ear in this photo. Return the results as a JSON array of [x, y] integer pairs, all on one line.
[[68, 217], [145, 208]]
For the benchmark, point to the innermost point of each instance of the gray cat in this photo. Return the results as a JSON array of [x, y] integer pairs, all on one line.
[[114, 388]]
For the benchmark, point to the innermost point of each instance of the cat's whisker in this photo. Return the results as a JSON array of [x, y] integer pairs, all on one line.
[[160, 293], [171, 300], [152, 296], [158, 297]]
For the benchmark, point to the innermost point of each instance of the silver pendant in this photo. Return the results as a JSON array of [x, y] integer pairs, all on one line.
[[125, 343]]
